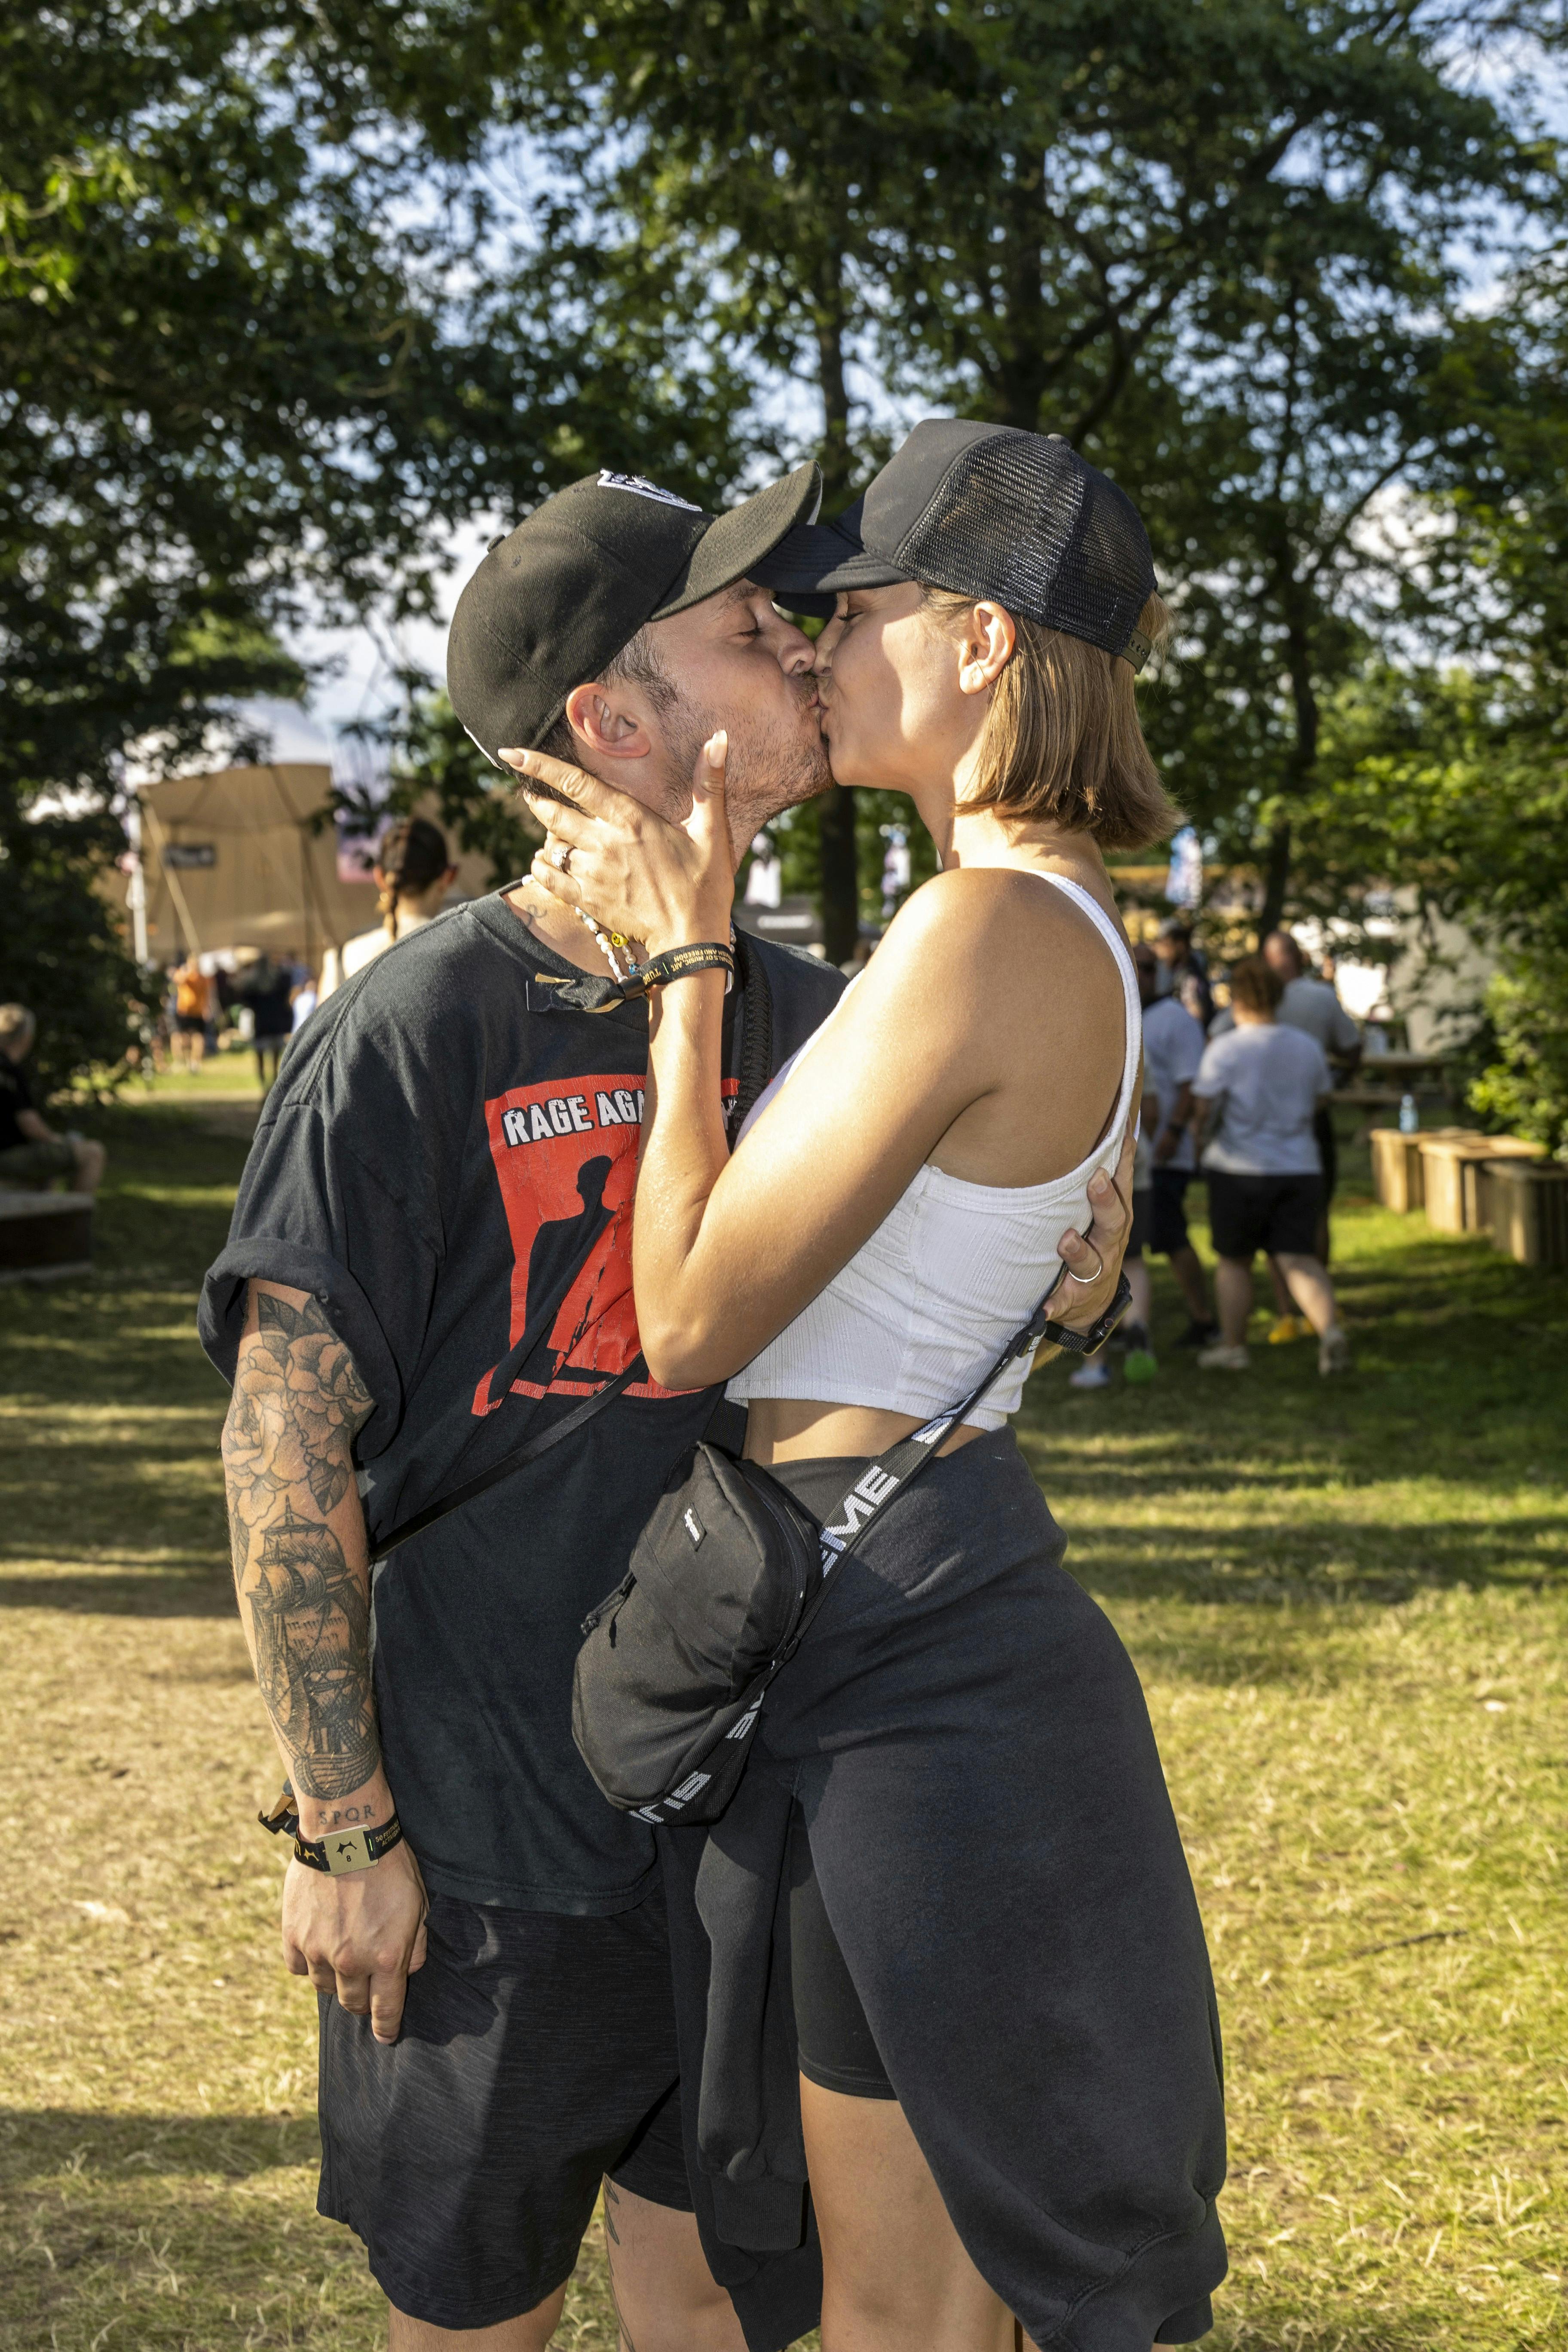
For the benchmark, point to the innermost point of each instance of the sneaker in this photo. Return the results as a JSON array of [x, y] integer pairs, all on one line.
[[1221, 1359], [1198, 1335], [1094, 1372], [1286, 1328], [1334, 1351], [1141, 1364]]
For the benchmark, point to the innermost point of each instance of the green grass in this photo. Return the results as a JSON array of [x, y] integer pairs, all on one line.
[[1347, 1601]]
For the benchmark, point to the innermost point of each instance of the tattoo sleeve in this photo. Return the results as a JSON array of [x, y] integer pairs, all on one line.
[[298, 1536]]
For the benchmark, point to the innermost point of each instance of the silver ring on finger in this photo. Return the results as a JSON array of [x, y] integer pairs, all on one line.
[[561, 857], [1088, 1280]]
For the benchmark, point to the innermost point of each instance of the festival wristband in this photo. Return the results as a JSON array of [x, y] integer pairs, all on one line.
[[680, 963], [342, 1851]]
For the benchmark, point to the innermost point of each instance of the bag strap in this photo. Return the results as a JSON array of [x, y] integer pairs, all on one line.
[[566, 1426], [756, 1027], [881, 1479]]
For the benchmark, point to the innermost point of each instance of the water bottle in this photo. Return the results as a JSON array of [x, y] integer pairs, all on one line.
[[1409, 1117]]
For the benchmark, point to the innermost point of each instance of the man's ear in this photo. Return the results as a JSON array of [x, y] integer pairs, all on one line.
[[607, 726]]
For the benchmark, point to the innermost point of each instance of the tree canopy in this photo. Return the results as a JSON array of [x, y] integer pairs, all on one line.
[[288, 291]]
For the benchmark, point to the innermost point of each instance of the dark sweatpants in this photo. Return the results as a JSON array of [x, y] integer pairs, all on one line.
[[1002, 1868]]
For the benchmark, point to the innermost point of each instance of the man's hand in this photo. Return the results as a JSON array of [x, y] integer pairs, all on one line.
[[1078, 1303], [359, 1935]]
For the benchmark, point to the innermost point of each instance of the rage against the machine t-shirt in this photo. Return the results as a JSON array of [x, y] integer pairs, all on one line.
[[447, 1163]]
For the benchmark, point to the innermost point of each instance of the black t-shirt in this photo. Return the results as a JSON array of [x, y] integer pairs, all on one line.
[[448, 1164], [267, 988], [16, 1096]]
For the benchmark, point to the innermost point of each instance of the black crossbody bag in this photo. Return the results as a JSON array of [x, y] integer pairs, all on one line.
[[726, 1578]]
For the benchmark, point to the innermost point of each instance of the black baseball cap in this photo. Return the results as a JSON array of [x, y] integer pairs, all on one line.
[[985, 510], [559, 597]]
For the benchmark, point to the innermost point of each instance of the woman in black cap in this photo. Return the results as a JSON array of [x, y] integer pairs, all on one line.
[[1009, 2100]]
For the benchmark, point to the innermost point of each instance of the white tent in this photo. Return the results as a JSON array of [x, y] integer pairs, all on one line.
[[248, 857]]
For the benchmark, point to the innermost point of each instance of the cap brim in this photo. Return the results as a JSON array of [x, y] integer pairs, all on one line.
[[819, 558], [737, 543]]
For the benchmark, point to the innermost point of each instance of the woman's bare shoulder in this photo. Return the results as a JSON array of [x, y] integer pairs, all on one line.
[[973, 915]]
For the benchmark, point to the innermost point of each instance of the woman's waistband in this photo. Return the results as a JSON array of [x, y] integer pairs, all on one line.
[[820, 1481]]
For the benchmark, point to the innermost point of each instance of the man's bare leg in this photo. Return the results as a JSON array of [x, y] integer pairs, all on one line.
[[666, 2297], [1233, 1296], [1188, 1269], [1310, 1290], [1283, 1302], [531, 2333]]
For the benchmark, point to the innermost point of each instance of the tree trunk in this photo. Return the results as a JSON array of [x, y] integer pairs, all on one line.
[[840, 885], [1276, 879], [1301, 616]]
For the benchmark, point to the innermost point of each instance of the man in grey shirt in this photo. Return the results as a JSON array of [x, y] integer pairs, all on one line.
[[1312, 1005], [1260, 1086]]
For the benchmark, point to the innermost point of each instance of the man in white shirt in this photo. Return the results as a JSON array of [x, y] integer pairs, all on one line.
[[1260, 1087]]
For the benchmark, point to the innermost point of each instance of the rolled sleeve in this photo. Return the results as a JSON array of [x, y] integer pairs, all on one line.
[[312, 1217]]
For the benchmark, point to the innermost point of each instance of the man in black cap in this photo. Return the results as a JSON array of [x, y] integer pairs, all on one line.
[[425, 1310]]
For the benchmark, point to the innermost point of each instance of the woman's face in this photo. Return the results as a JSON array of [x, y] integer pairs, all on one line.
[[894, 712]]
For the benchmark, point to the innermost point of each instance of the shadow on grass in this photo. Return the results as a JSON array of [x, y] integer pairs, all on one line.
[[39, 2142], [1305, 1558]]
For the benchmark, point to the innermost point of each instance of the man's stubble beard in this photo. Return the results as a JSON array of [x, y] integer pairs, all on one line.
[[768, 769]]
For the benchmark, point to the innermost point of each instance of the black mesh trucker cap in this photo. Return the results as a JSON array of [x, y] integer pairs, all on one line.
[[560, 596], [985, 510]]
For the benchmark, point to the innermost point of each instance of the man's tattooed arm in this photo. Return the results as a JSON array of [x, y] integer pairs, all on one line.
[[300, 1552]]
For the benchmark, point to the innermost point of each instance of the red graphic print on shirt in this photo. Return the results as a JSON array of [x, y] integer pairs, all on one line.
[[566, 1155]]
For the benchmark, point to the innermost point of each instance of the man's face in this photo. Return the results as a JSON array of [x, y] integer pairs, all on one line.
[[731, 662]]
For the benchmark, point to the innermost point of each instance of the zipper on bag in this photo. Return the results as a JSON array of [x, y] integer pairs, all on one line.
[[612, 1600]]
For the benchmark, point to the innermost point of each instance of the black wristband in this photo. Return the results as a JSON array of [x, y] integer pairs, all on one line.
[[345, 1850], [1084, 1343], [678, 963]]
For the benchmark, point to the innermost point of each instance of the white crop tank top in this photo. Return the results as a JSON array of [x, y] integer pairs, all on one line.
[[911, 1321]]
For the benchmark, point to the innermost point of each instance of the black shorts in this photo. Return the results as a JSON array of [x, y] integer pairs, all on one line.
[[190, 1025], [537, 2054], [1138, 1239], [1327, 1149], [1248, 1213], [1168, 1214], [835, 2045]]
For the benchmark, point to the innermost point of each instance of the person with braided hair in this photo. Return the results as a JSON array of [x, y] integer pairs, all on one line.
[[413, 874]]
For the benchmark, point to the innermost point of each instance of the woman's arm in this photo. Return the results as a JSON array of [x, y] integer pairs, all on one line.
[[726, 1251]]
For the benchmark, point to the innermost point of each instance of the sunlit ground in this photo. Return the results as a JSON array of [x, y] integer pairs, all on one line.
[[1347, 1602]]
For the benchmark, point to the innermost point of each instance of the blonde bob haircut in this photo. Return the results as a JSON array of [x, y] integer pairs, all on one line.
[[1062, 736]]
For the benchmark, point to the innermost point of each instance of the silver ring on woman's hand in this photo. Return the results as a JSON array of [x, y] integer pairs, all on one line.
[[1088, 1280], [561, 857]]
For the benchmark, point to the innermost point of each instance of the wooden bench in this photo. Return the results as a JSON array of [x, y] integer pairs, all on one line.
[[1450, 1174], [1398, 1175], [45, 1237], [1525, 1204]]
